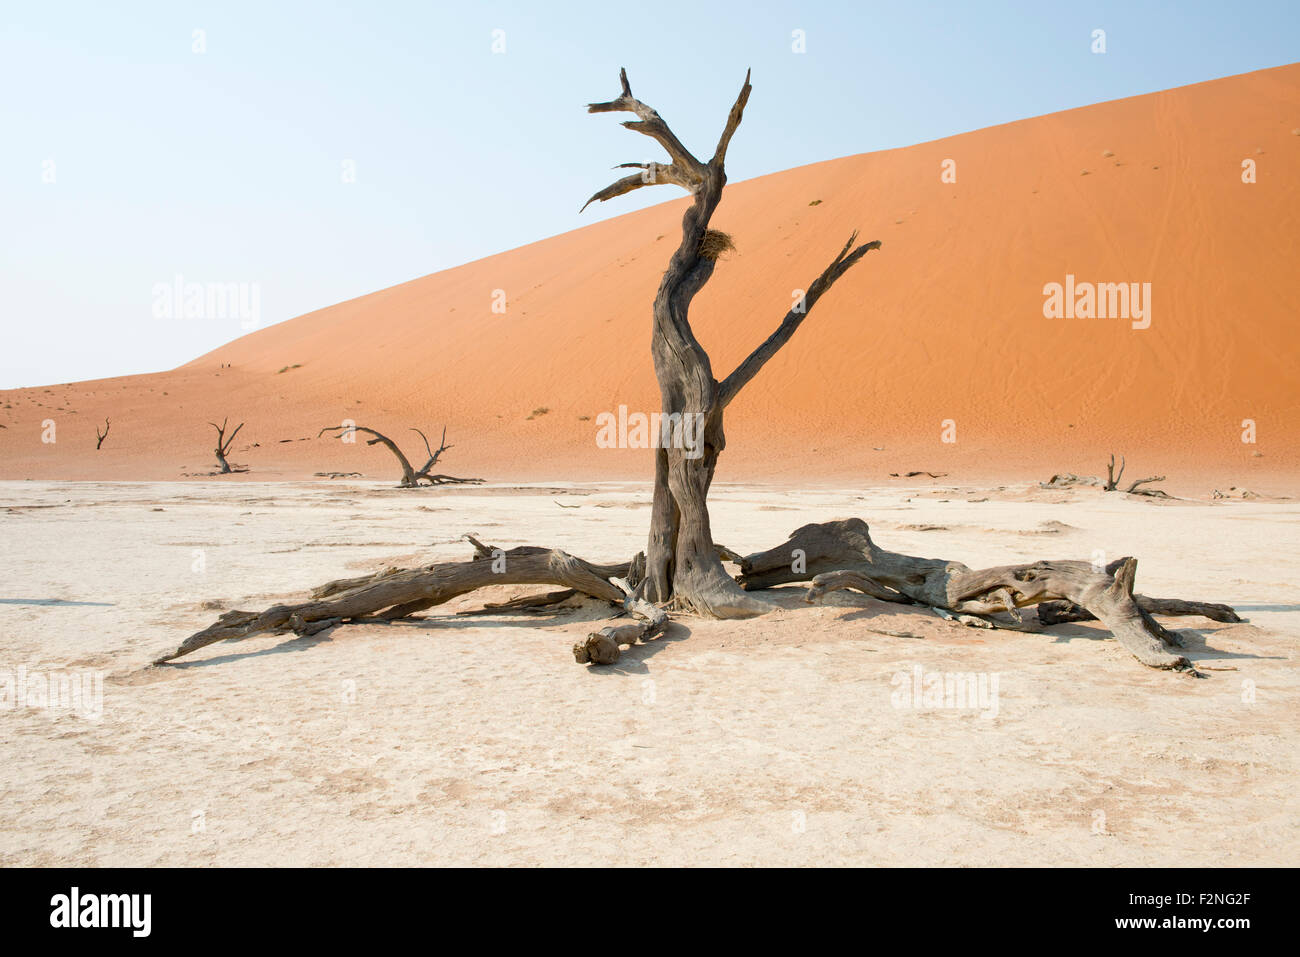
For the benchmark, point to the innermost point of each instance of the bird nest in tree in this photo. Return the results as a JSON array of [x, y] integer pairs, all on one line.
[[715, 243]]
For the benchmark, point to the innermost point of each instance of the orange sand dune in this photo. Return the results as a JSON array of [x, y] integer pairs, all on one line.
[[944, 322]]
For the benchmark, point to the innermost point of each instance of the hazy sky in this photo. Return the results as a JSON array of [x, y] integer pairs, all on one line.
[[135, 150]]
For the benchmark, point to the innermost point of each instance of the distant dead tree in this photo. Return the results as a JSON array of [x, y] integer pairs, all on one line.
[[101, 436], [1069, 479], [224, 444], [411, 476], [1113, 477], [1112, 480]]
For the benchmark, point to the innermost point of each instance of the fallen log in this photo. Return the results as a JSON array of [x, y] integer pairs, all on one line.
[[393, 593], [1060, 612], [837, 555]]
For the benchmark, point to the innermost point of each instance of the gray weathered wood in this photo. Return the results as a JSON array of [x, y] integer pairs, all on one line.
[[841, 554], [394, 593], [682, 565]]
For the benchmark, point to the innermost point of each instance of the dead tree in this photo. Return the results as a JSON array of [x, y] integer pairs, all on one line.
[[224, 444], [1112, 480], [682, 564], [410, 475], [1134, 490], [101, 436]]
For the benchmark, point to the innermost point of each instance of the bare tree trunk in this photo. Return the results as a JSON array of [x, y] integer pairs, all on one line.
[[682, 561], [665, 519]]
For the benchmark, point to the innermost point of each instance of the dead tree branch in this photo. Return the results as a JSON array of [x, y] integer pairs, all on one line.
[[1134, 490], [101, 436], [393, 594], [683, 170], [1059, 612], [602, 647], [841, 554], [746, 371]]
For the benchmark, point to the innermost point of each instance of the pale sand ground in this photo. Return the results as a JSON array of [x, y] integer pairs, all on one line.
[[479, 740]]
